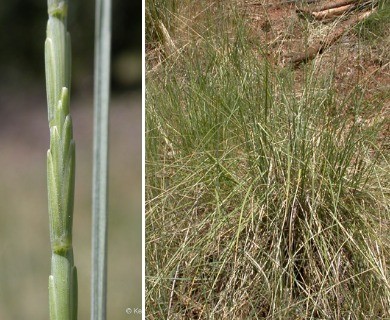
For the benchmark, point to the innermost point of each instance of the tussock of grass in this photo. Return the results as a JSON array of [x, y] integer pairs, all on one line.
[[264, 201]]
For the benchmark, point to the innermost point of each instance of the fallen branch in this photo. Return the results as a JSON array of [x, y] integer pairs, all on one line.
[[319, 48], [336, 4], [334, 9], [332, 13], [261, 3]]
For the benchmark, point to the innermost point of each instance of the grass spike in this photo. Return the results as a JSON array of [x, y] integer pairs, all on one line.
[[60, 165]]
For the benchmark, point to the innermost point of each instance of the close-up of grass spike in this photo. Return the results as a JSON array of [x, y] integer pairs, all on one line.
[[60, 165]]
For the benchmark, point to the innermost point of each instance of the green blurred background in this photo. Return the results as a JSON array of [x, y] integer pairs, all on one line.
[[24, 140]]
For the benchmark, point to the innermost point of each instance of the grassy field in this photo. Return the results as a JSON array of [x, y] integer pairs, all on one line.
[[24, 224], [267, 187]]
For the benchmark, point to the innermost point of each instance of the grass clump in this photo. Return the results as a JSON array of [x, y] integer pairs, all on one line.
[[265, 199]]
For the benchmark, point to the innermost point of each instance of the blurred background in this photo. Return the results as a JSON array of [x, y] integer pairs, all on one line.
[[24, 140]]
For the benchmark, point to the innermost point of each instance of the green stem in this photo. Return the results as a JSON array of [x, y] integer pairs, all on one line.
[[100, 163], [60, 165]]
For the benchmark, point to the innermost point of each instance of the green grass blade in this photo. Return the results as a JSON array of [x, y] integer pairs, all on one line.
[[100, 170]]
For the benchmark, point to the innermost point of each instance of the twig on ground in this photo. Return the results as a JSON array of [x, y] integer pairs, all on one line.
[[320, 47], [331, 13], [260, 3], [333, 10], [336, 4]]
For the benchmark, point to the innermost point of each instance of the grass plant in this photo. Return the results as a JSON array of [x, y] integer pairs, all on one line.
[[60, 165], [265, 198]]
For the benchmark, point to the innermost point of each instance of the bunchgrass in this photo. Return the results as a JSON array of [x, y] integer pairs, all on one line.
[[265, 198]]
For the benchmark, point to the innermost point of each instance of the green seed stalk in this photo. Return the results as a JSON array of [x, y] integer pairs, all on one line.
[[60, 165]]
